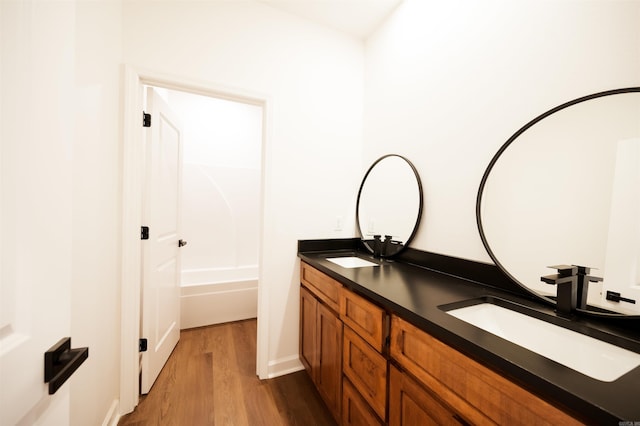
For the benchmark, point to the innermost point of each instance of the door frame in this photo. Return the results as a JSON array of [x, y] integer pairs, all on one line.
[[132, 186]]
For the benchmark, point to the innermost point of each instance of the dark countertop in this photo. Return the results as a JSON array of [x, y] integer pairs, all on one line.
[[416, 293]]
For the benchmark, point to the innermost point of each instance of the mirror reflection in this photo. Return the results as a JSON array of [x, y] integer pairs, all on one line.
[[389, 205], [565, 189]]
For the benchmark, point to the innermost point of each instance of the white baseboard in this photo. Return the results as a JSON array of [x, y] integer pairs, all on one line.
[[113, 415], [286, 365], [218, 303]]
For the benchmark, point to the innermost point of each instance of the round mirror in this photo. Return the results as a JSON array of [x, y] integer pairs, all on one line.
[[389, 205], [565, 189]]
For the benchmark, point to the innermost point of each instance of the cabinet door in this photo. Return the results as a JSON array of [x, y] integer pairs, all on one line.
[[329, 371], [355, 410], [367, 370], [364, 317], [308, 338], [412, 405]]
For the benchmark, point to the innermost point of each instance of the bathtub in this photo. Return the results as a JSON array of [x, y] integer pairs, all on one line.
[[214, 296], [191, 277]]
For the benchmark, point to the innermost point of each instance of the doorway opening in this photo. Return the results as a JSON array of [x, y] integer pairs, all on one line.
[[220, 220], [210, 173]]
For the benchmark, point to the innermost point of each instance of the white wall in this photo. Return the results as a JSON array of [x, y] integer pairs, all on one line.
[[222, 153], [447, 83], [313, 78]]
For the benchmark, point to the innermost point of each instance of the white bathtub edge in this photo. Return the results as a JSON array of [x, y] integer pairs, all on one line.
[[217, 303]]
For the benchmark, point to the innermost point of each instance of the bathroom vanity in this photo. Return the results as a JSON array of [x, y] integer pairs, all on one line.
[[393, 335], [382, 347]]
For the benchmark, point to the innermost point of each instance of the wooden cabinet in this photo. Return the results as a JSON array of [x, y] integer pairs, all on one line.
[[472, 391], [368, 320], [342, 341], [367, 370], [321, 335], [412, 404], [365, 336], [355, 410], [329, 349], [347, 342], [308, 325], [325, 288]]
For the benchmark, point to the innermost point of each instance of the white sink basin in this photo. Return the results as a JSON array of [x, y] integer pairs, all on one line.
[[351, 262], [592, 357]]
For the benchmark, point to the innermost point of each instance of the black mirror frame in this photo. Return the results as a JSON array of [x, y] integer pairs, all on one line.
[[494, 160], [420, 205]]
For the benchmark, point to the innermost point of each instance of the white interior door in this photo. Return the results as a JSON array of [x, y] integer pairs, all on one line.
[[36, 206], [161, 256], [35, 275]]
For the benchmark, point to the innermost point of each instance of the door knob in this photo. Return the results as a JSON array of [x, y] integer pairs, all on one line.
[[182, 243]]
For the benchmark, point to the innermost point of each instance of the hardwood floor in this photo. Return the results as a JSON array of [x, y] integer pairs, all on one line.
[[210, 379]]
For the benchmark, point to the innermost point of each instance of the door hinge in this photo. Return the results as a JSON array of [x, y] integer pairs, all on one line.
[[142, 345], [146, 119], [144, 233]]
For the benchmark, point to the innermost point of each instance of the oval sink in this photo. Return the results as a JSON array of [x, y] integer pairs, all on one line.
[[351, 262], [587, 355]]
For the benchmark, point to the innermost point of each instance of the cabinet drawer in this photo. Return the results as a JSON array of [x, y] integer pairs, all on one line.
[[355, 410], [367, 371], [411, 404], [321, 285], [364, 317], [472, 390]]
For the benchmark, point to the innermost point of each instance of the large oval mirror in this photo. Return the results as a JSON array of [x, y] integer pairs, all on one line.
[[389, 205], [565, 189]]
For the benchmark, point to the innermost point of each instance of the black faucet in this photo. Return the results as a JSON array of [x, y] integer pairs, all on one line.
[[572, 282], [386, 246], [567, 282], [583, 283], [382, 248], [377, 246]]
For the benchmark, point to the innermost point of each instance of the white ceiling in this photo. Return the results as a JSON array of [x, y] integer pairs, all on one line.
[[356, 17]]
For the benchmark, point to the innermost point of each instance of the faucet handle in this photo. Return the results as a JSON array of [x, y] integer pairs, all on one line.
[[565, 270], [586, 270], [583, 270]]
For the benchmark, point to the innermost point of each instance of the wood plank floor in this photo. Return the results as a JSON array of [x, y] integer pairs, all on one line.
[[210, 379]]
